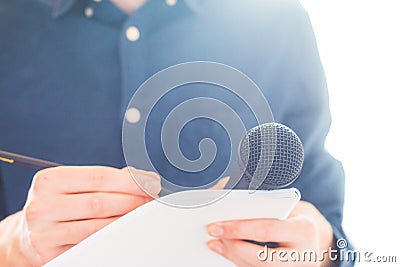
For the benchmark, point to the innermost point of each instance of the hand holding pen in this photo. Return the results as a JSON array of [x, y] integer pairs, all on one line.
[[66, 204]]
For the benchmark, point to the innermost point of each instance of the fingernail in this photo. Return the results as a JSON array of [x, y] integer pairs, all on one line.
[[216, 246], [215, 230], [152, 187]]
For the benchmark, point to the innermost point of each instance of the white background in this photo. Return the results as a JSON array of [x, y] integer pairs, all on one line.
[[359, 44]]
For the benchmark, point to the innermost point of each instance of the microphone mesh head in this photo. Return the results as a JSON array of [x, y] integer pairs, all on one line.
[[273, 156]]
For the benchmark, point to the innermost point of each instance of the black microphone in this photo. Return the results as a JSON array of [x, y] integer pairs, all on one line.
[[270, 157]]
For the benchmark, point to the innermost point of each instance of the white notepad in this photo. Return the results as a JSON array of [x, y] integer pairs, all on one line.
[[156, 234]]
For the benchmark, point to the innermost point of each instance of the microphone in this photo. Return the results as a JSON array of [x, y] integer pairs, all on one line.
[[270, 156]]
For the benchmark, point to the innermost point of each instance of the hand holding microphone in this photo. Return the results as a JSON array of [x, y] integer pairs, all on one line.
[[271, 156]]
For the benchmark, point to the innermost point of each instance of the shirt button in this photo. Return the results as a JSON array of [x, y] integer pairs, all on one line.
[[132, 33], [89, 12], [132, 115], [171, 2]]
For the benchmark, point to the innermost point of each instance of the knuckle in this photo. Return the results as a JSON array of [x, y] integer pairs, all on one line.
[[98, 177], [32, 213], [308, 225], [265, 235], [127, 170], [232, 230], [40, 180], [95, 205]]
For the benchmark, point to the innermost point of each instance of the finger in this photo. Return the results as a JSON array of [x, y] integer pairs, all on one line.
[[133, 170], [220, 184], [81, 179], [71, 233], [261, 230], [51, 254], [241, 253], [285, 257], [247, 254], [143, 180], [82, 206]]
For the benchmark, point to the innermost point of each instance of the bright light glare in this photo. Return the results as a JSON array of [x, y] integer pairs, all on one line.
[[359, 44]]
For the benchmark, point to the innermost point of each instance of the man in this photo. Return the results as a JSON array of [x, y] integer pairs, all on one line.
[[68, 69]]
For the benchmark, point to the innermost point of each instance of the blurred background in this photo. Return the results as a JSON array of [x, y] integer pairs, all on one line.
[[359, 44]]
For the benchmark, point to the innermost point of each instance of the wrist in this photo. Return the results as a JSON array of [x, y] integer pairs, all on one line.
[[10, 248]]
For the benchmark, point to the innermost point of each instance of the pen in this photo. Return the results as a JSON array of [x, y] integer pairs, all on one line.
[[13, 158]]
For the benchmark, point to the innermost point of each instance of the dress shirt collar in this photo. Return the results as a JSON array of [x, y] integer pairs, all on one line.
[[60, 7]]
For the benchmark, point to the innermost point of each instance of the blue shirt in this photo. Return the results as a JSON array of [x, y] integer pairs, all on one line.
[[69, 68]]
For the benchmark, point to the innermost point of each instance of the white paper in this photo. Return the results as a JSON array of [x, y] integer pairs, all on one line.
[[156, 234]]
